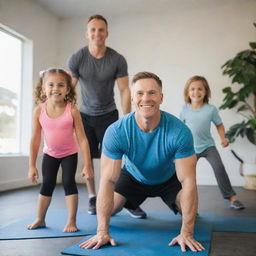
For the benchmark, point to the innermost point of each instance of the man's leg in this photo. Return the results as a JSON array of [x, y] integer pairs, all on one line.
[[119, 202], [88, 123], [132, 192]]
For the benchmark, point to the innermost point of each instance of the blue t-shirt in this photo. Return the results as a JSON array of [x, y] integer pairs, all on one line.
[[148, 156], [199, 122]]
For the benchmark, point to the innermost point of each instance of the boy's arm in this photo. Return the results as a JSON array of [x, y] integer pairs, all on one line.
[[221, 131]]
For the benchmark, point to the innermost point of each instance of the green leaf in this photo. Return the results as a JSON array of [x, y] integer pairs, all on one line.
[[227, 89], [251, 135], [243, 108], [253, 45], [245, 54]]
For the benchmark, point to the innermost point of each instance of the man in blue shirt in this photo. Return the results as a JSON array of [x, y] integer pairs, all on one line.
[[159, 160]]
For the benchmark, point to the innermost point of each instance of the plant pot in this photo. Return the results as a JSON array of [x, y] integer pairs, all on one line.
[[249, 173]]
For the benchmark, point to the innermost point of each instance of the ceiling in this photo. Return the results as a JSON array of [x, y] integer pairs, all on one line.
[[79, 8]]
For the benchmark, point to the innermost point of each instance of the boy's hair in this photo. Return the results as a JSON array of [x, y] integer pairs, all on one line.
[[98, 17], [143, 75], [205, 84], [40, 97]]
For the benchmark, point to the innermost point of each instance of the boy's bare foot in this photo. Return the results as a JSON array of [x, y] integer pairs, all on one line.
[[36, 224], [70, 227]]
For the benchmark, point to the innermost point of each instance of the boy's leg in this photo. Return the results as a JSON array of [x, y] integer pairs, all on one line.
[[213, 157]]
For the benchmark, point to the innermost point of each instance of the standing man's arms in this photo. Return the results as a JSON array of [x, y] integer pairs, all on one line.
[[74, 81], [110, 171], [123, 85], [186, 173]]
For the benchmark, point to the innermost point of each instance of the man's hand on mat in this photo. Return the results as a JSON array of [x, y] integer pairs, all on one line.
[[33, 174], [187, 240], [98, 240]]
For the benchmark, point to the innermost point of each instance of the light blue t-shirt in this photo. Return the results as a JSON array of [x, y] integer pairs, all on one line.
[[148, 156], [199, 122]]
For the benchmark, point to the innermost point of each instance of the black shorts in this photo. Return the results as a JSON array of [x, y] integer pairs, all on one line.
[[136, 192], [95, 127]]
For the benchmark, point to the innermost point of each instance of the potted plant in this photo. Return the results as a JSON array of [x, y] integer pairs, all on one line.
[[242, 70]]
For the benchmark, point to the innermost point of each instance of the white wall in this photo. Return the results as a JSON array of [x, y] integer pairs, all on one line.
[[39, 25], [181, 41]]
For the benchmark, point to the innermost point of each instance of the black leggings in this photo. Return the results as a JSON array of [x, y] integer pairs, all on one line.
[[50, 167]]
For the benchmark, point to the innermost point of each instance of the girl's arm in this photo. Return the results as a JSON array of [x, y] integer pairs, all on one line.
[[83, 143], [221, 131], [34, 146]]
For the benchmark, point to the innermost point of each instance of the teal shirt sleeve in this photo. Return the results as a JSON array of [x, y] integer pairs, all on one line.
[[185, 144], [112, 144], [216, 119]]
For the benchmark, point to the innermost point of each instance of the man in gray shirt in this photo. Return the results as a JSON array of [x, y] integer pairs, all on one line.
[[97, 67]]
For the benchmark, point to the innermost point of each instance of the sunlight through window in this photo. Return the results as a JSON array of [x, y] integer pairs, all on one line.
[[10, 89]]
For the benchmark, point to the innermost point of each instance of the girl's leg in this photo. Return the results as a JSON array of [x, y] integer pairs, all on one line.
[[212, 155], [71, 202], [42, 206], [69, 165], [50, 166]]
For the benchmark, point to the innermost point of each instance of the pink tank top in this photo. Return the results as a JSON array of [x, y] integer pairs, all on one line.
[[59, 139]]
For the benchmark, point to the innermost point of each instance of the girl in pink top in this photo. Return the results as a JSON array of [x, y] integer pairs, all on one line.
[[58, 118]]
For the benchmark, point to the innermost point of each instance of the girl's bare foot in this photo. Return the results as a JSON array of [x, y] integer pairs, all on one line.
[[70, 227], [36, 224]]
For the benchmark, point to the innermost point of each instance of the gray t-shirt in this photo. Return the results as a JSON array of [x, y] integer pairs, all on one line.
[[97, 79]]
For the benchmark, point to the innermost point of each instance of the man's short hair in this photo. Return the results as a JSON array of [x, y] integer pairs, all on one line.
[[144, 75], [98, 17]]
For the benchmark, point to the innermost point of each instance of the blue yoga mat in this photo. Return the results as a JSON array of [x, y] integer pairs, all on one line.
[[148, 236], [55, 221]]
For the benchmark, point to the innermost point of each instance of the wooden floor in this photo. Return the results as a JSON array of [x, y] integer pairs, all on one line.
[[21, 203]]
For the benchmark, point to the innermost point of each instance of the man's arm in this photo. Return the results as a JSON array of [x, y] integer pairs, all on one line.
[[186, 173], [123, 85], [83, 143], [74, 81], [110, 171]]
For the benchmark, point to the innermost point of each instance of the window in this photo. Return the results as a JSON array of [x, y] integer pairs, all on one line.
[[14, 55], [10, 85]]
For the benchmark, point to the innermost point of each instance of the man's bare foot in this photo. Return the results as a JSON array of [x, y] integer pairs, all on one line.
[[70, 227], [36, 224]]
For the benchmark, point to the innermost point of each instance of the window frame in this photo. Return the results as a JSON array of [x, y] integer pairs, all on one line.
[[26, 93]]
